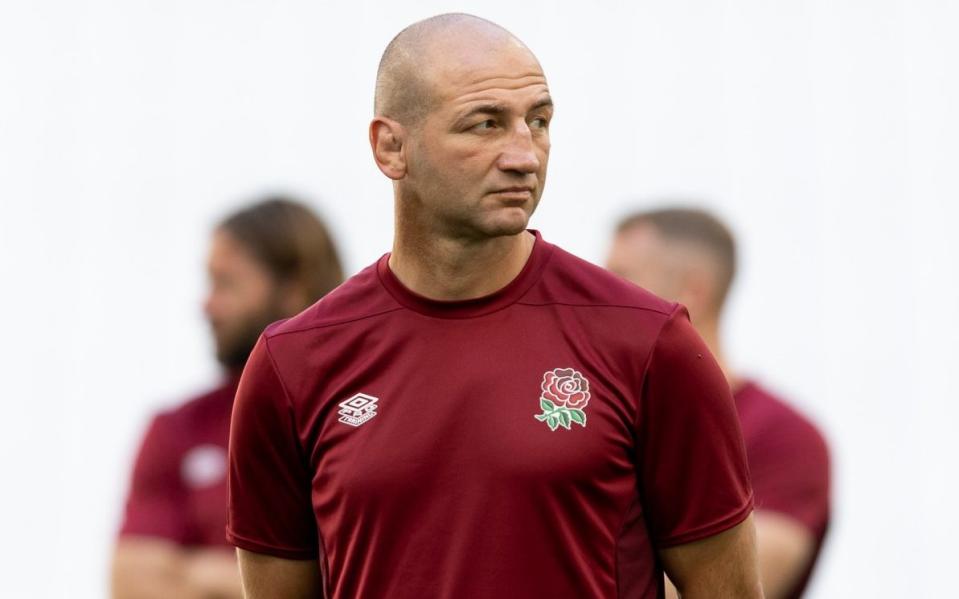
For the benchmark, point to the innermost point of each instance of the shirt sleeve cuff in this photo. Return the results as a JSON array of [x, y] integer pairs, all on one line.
[[267, 549], [708, 530]]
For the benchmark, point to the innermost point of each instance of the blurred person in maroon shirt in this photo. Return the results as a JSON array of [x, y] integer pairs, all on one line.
[[266, 262], [689, 256]]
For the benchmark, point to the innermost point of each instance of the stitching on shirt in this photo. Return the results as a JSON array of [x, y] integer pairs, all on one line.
[[276, 371], [462, 316], [716, 526], [287, 397], [649, 359], [289, 404], [332, 324], [618, 538], [250, 541], [640, 404], [596, 305]]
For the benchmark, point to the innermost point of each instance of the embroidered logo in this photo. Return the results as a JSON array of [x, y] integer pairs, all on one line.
[[358, 409], [563, 395]]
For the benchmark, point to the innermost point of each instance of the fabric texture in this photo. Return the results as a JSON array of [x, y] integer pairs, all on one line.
[[543, 441]]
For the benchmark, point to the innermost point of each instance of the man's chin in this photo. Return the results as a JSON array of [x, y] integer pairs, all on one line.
[[233, 354], [506, 222], [233, 359], [234, 346]]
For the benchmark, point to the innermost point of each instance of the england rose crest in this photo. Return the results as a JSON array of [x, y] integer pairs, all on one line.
[[564, 393]]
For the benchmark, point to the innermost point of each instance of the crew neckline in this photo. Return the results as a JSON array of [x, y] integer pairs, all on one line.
[[470, 308]]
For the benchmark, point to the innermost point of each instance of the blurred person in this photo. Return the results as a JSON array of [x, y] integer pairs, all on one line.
[[266, 262], [689, 256], [479, 413]]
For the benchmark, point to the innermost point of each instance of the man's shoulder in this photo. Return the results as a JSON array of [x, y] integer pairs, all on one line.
[[788, 457], [198, 408], [172, 431], [766, 414], [572, 281], [358, 298]]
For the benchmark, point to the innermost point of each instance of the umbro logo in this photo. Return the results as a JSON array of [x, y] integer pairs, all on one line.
[[358, 409]]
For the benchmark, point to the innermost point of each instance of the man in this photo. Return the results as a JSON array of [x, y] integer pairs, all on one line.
[[480, 414], [689, 256], [266, 262]]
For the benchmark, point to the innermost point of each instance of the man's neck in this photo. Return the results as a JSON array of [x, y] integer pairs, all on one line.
[[446, 268]]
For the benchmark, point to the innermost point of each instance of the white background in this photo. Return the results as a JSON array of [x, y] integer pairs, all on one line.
[[825, 131]]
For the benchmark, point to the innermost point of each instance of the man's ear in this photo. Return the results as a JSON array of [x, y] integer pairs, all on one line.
[[386, 139]]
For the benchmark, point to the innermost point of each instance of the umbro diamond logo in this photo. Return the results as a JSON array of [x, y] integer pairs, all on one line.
[[358, 409]]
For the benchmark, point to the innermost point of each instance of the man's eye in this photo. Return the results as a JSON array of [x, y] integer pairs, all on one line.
[[540, 122], [485, 125]]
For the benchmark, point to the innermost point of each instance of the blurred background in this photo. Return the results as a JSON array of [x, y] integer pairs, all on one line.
[[825, 132]]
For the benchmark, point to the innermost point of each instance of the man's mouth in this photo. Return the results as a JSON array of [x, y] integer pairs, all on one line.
[[518, 192]]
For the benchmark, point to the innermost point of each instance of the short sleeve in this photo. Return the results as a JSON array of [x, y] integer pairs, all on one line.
[[270, 508], [789, 462], [155, 504], [693, 472]]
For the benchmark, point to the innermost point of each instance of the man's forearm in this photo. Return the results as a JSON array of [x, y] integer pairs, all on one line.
[[785, 548], [213, 573], [728, 589], [723, 566], [265, 577], [146, 568]]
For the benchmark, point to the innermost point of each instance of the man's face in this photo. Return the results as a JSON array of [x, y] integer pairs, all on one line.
[[640, 255], [242, 299], [477, 161]]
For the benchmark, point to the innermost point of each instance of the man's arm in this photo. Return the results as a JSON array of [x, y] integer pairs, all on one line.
[[155, 568], [784, 548], [270, 577], [789, 461], [270, 510], [150, 559], [722, 566], [693, 469]]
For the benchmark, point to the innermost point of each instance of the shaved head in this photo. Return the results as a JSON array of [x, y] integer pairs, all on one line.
[[405, 77], [461, 126]]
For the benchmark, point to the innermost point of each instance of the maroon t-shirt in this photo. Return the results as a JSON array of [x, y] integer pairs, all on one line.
[[789, 462], [178, 487], [543, 441]]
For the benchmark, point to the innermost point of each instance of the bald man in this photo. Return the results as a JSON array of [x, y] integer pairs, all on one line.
[[688, 255], [479, 413]]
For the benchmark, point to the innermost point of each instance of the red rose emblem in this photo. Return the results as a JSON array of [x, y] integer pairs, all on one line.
[[566, 387]]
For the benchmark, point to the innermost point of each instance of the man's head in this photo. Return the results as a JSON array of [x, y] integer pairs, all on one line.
[[267, 262], [461, 126], [680, 254]]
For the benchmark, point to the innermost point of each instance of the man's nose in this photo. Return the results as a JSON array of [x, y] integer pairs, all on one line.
[[519, 155]]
